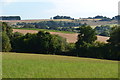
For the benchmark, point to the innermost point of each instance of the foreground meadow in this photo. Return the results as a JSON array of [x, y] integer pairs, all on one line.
[[20, 65]]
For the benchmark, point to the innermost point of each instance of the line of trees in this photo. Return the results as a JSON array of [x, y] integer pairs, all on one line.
[[48, 24], [10, 18], [41, 42], [86, 46], [103, 18], [45, 43], [63, 17], [103, 30]]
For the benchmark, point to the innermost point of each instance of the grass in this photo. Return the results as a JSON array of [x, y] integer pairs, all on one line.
[[20, 65], [45, 30]]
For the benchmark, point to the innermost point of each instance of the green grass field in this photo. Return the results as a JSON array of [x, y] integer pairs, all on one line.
[[20, 65], [45, 30]]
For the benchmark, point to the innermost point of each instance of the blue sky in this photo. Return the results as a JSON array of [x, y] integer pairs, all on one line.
[[28, 10], [44, 9]]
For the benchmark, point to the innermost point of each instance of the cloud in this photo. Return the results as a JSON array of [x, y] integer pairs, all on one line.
[[77, 8], [85, 7]]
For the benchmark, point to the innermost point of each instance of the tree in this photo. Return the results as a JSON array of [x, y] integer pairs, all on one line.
[[105, 33], [86, 34], [6, 46], [115, 36], [17, 34], [57, 44], [7, 29], [86, 37], [6, 36], [41, 42], [114, 42]]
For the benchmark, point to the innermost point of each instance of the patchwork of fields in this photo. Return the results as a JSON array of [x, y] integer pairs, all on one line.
[[71, 38], [93, 22], [21, 65]]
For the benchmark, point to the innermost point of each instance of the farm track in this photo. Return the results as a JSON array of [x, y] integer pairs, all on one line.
[[71, 38]]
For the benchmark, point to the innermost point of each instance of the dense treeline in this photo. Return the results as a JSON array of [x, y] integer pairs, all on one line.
[[48, 24], [45, 43], [86, 46], [103, 18], [103, 30], [42, 42], [116, 17], [10, 18], [51, 25], [62, 17]]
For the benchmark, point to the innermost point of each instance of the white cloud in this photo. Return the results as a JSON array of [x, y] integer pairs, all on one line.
[[84, 8]]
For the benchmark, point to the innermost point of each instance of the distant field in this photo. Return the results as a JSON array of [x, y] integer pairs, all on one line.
[[90, 22], [71, 37], [20, 65], [44, 30], [111, 25], [35, 20]]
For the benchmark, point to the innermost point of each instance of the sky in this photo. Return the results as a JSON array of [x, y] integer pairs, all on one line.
[[44, 9]]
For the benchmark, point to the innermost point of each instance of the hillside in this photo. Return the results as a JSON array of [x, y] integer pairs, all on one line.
[[93, 22], [21, 65], [36, 20], [71, 38]]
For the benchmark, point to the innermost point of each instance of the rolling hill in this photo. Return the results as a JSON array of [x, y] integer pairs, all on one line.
[[93, 22]]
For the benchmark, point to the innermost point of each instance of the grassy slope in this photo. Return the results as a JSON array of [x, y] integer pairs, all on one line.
[[16, 65], [44, 30]]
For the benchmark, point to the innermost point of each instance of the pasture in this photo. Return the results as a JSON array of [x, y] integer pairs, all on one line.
[[21, 65]]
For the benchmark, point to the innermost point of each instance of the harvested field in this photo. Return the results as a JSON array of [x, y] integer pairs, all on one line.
[[102, 38], [71, 38], [25, 31]]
